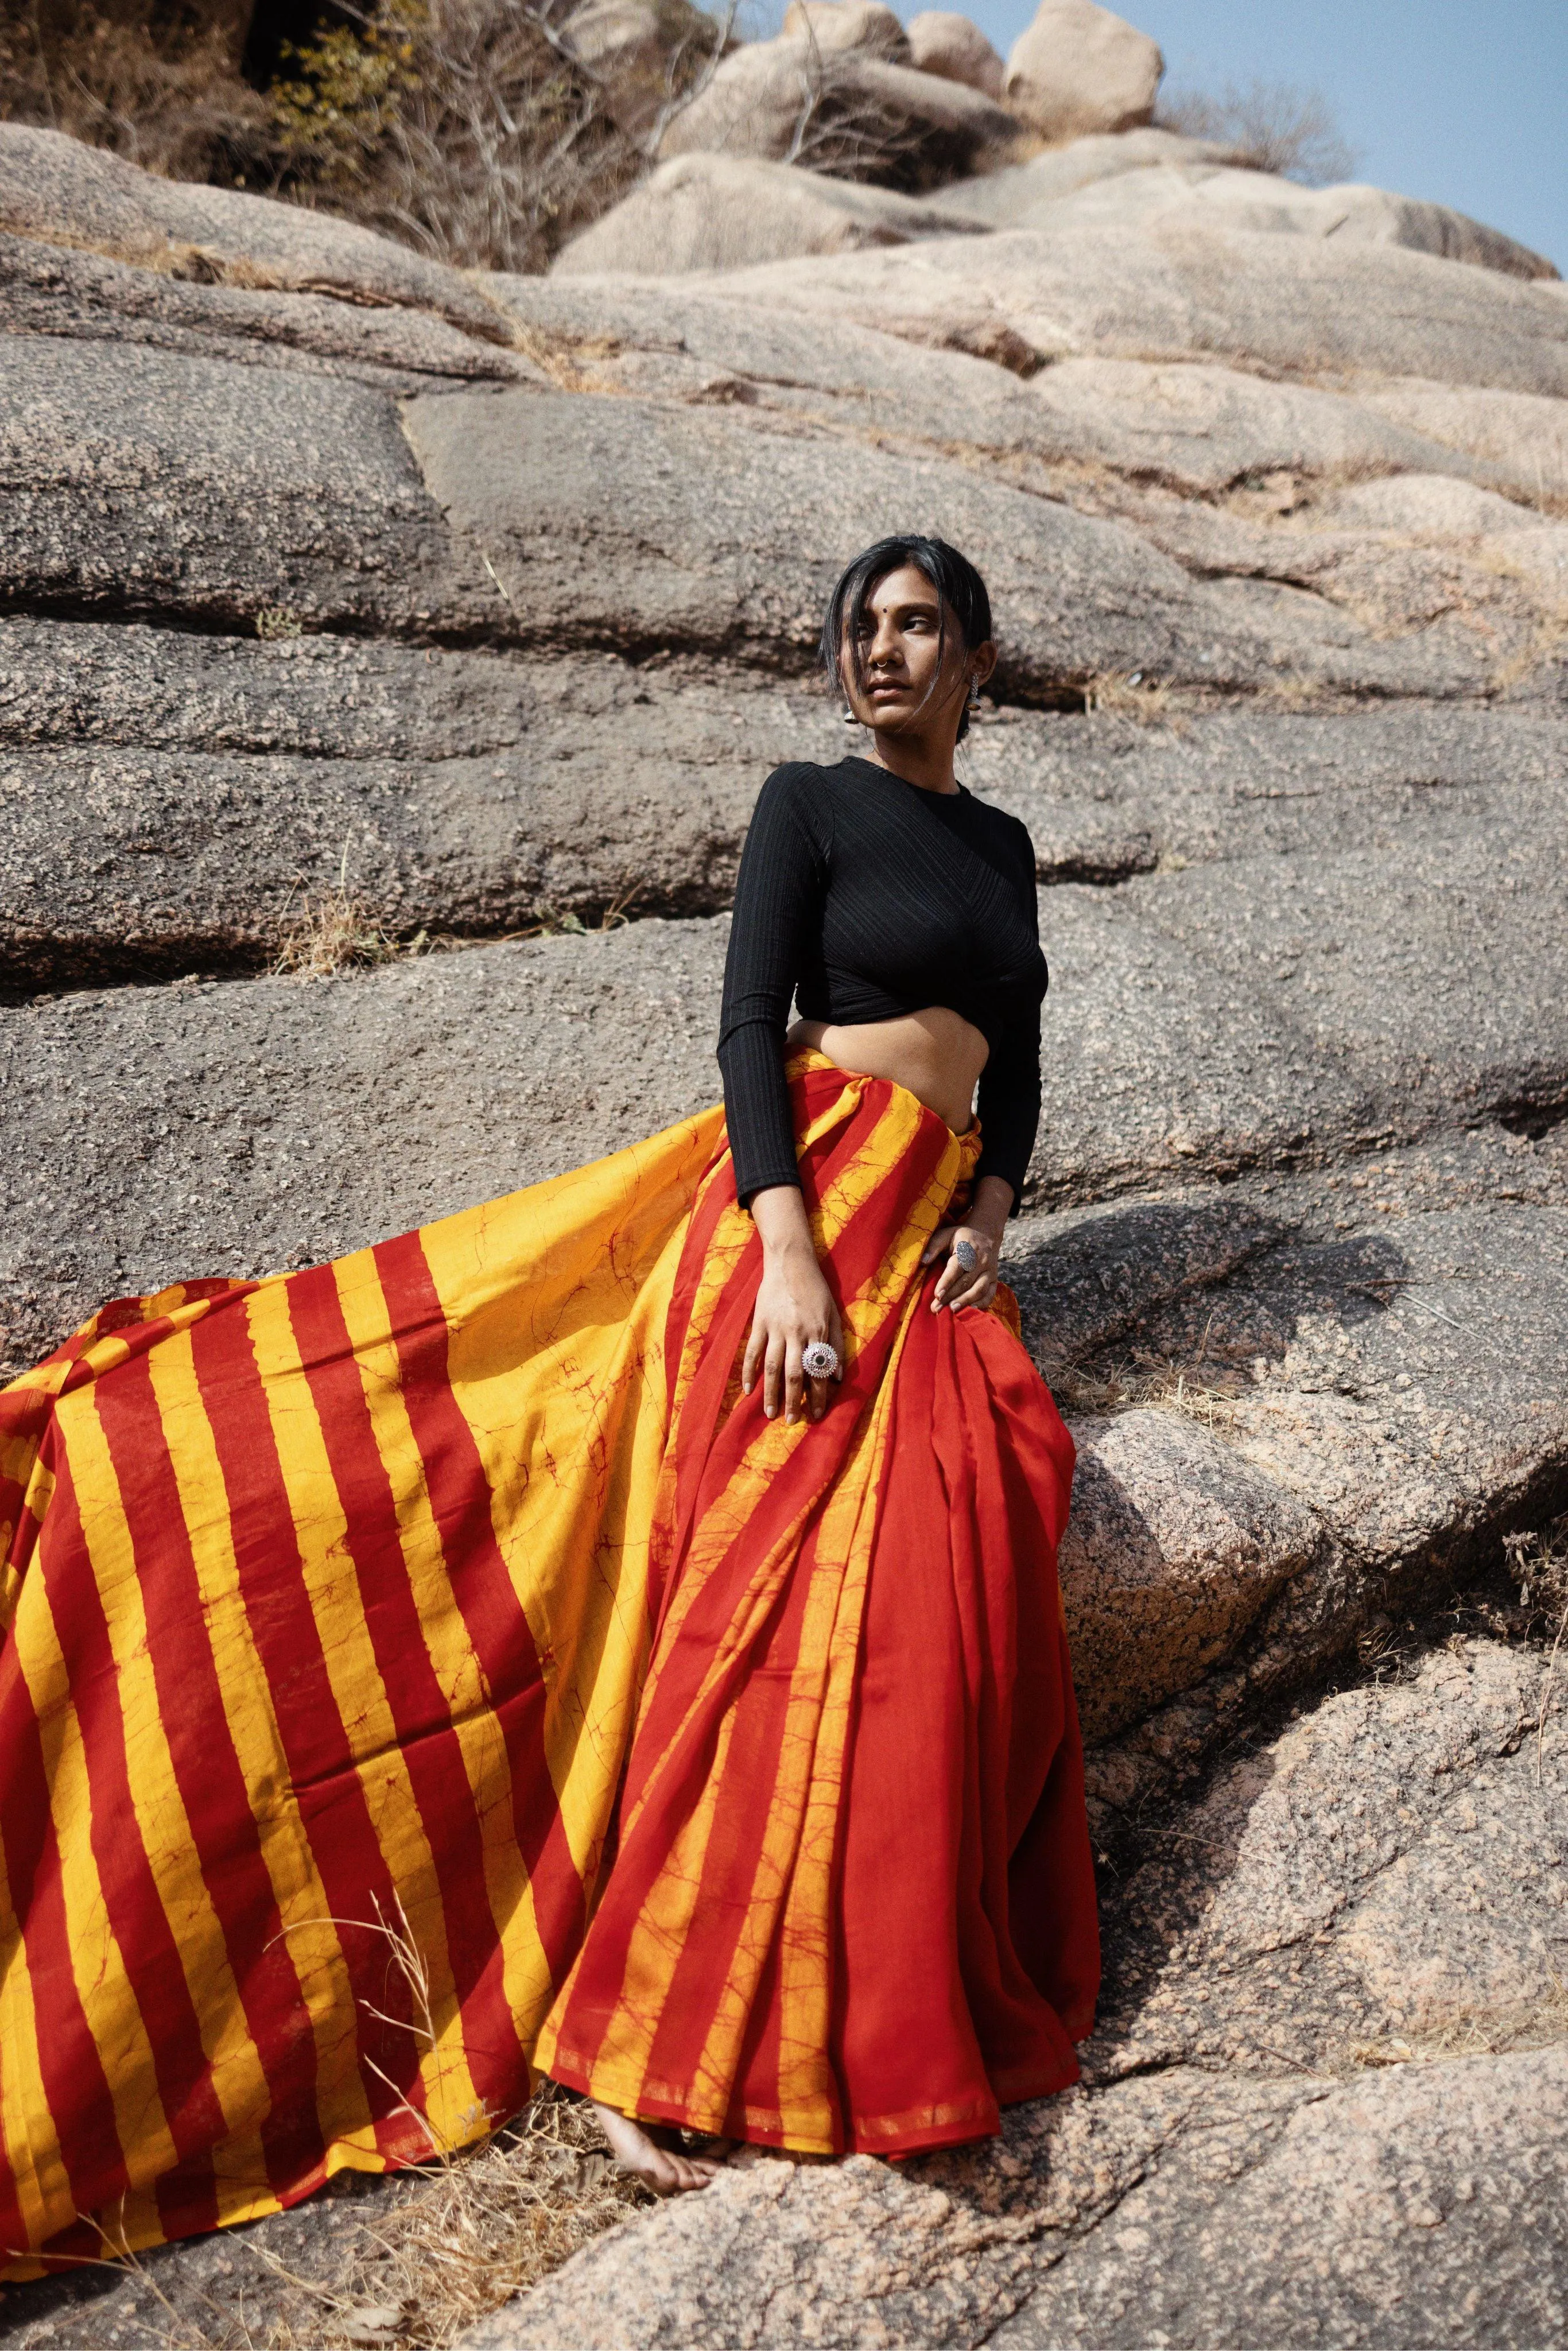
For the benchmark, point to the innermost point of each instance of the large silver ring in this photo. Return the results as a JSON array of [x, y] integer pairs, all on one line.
[[965, 1254], [819, 1361]]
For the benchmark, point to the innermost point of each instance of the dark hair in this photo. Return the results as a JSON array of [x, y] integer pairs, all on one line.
[[958, 584]]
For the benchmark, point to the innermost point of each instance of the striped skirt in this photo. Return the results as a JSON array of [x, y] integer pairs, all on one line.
[[428, 1669]]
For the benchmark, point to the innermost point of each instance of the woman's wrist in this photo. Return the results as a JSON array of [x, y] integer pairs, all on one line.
[[992, 1206]]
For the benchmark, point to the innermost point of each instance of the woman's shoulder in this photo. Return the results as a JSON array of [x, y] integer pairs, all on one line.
[[1007, 834], [802, 790]]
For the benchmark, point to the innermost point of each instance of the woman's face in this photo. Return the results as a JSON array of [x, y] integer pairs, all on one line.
[[909, 681]]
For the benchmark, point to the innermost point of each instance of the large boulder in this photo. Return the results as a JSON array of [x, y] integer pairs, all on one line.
[[726, 211], [53, 188], [1173, 1549], [67, 292], [941, 42], [839, 25], [1077, 69], [843, 110], [1193, 192], [1186, 426]]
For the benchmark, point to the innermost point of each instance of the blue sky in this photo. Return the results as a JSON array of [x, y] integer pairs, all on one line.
[[1464, 101]]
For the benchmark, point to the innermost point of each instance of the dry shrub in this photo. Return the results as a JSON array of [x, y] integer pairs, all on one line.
[[1270, 126], [469, 128], [843, 130], [162, 93]]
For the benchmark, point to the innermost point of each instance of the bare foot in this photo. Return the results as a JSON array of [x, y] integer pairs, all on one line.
[[667, 2171]]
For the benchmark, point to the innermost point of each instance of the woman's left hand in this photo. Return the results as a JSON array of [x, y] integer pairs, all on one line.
[[959, 1286], [976, 1285]]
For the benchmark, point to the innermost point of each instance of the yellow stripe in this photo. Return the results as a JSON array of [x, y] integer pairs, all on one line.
[[313, 1943], [30, 2139], [768, 1456], [113, 2017], [320, 1530], [238, 2080], [556, 1361]]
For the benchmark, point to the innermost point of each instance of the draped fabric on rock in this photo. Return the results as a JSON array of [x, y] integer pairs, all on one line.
[[358, 1616], [327, 1606]]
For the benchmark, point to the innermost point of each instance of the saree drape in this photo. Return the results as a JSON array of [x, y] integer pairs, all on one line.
[[357, 1617]]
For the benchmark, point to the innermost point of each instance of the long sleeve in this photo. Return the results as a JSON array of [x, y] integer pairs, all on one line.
[[1009, 1095], [777, 904]]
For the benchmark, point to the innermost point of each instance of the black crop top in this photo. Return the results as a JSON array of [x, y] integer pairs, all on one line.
[[864, 897]]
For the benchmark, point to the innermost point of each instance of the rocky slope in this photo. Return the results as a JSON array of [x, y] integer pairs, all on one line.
[[335, 582]]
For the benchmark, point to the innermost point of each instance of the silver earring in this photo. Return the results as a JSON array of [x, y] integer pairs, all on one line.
[[849, 716], [974, 694]]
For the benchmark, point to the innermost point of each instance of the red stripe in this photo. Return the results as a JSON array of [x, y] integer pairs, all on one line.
[[209, 1775], [148, 1950], [424, 1729], [735, 1836], [74, 2081], [324, 1782], [460, 1500]]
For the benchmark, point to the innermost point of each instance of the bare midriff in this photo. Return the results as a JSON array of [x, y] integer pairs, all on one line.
[[936, 1055]]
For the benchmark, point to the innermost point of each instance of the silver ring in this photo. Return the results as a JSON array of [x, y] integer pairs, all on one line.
[[819, 1361], [965, 1255]]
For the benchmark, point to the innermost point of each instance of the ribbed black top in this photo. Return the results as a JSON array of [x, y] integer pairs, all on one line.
[[864, 897]]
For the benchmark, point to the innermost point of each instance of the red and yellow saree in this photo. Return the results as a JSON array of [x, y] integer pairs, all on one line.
[[357, 1616]]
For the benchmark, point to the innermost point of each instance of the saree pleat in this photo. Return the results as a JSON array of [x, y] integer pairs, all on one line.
[[427, 1669]]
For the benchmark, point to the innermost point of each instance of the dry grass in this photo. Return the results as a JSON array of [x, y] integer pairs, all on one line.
[[1537, 2023], [1546, 642], [276, 623], [486, 2226], [337, 931], [1290, 693], [1134, 694], [1205, 1388], [483, 2223], [333, 933], [472, 130]]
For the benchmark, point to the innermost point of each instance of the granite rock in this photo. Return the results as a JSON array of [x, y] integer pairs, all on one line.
[[52, 188], [1294, 306], [1076, 69], [954, 47], [1193, 195], [724, 212]]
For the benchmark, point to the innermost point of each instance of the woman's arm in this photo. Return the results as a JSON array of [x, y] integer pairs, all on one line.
[[777, 901], [794, 1306]]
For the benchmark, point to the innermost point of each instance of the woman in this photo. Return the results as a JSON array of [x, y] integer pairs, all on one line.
[[612, 1631]]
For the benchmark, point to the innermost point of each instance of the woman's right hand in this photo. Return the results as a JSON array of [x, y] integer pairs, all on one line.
[[794, 1306]]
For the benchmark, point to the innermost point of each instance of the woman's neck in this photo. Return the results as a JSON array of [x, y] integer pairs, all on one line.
[[916, 761]]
